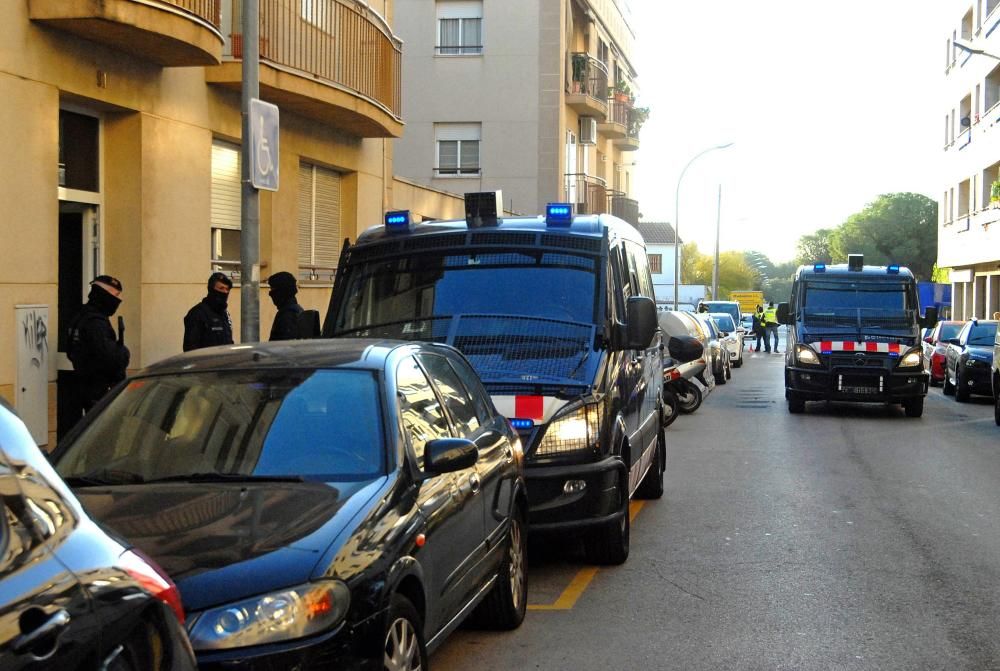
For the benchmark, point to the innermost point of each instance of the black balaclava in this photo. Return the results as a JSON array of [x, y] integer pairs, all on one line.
[[103, 301], [216, 299], [283, 288]]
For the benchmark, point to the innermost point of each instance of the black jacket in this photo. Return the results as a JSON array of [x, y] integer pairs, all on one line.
[[286, 322], [206, 327], [98, 358]]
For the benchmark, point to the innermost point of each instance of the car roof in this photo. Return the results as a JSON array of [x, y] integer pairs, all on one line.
[[357, 353]]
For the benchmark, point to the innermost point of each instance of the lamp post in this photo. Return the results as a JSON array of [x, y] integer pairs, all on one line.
[[677, 215], [973, 50]]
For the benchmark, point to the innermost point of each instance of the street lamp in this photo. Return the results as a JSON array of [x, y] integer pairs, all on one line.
[[677, 216], [973, 50]]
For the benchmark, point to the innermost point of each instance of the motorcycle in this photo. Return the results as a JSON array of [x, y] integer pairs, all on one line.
[[686, 364]]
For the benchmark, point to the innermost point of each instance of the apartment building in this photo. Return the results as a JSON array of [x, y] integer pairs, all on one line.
[[121, 124], [535, 98], [969, 210]]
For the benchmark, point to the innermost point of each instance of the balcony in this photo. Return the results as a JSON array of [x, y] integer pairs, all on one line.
[[616, 126], [333, 61], [588, 194], [588, 86], [623, 208], [168, 32]]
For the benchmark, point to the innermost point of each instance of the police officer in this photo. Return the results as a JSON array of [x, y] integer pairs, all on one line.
[[759, 330], [282, 293], [98, 354], [771, 326], [208, 323]]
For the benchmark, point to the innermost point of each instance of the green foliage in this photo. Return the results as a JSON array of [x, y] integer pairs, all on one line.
[[636, 117], [814, 247], [942, 275], [734, 271], [995, 190]]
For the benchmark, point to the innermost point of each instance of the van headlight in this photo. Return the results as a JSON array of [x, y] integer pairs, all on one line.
[[278, 616], [575, 431], [806, 355], [913, 358]]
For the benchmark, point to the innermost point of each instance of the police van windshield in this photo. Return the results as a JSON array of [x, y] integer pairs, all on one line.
[[858, 303], [545, 285]]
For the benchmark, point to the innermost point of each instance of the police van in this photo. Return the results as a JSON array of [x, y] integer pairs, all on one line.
[[854, 335], [556, 315]]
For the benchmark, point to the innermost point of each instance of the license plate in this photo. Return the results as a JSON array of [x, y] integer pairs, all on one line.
[[859, 390]]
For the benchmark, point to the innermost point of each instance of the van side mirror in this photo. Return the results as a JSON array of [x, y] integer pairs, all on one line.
[[641, 324], [930, 317], [783, 315]]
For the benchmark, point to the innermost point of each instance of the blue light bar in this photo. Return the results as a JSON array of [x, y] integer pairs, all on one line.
[[893, 269], [522, 423], [559, 215], [820, 267], [398, 220]]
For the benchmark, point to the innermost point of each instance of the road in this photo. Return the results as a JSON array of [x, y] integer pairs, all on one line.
[[849, 537]]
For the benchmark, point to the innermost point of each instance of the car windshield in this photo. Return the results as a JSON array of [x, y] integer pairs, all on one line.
[[983, 333], [731, 309], [857, 303], [314, 424], [724, 322], [950, 330]]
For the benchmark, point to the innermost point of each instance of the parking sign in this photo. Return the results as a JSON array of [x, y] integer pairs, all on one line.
[[263, 145]]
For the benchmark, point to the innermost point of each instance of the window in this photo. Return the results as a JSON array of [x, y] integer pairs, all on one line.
[[319, 220], [655, 263], [225, 207], [457, 148], [421, 412], [456, 398], [460, 27]]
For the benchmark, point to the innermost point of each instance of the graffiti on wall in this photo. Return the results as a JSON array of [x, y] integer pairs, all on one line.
[[34, 325]]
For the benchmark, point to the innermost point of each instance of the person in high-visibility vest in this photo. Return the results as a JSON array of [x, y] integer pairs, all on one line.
[[758, 328], [771, 327]]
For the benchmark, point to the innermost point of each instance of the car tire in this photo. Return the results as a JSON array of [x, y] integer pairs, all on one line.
[[739, 362], [914, 407], [729, 370], [608, 544], [947, 388], [404, 644], [671, 407], [720, 377], [690, 398], [961, 387], [996, 409], [651, 486], [136, 654], [796, 406], [504, 607]]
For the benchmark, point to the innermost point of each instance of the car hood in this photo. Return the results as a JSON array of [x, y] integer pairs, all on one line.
[[983, 353], [223, 542]]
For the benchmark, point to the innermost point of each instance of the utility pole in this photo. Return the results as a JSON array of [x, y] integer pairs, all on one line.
[[715, 268], [250, 197]]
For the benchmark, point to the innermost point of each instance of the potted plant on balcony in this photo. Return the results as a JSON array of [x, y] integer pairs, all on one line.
[[579, 72], [636, 117], [623, 93], [995, 194]]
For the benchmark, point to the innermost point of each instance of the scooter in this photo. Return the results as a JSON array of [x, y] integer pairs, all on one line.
[[686, 363]]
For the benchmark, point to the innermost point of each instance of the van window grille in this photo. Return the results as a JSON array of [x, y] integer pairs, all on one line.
[[572, 242], [495, 238]]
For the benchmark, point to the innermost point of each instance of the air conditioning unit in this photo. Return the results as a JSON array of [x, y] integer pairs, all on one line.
[[588, 130]]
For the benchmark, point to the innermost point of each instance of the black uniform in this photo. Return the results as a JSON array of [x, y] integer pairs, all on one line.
[[205, 325], [99, 359], [286, 322]]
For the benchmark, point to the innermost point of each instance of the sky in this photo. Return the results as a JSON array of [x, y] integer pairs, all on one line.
[[827, 104]]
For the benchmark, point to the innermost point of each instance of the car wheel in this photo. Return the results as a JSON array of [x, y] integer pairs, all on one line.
[[671, 407], [137, 653], [961, 387], [505, 605], [947, 388], [796, 405], [404, 649], [729, 369], [608, 544], [690, 398], [996, 409], [720, 377], [651, 486], [739, 361], [914, 407]]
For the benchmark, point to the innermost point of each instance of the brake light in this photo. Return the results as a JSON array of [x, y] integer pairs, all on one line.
[[151, 577]]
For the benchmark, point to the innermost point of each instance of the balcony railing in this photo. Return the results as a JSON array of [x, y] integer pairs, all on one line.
[[336, 42], [623, 207], [589, 76], [210, 10], [588, 193]]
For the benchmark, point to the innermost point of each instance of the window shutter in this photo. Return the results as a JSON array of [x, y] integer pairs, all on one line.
[[319, 216], [448, 154], [305, 213], [470, 155], [225, 194]]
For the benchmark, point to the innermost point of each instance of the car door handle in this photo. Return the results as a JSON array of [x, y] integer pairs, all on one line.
[[55, 623]]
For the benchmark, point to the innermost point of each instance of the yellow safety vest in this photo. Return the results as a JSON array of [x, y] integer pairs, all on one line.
[[771, 316]]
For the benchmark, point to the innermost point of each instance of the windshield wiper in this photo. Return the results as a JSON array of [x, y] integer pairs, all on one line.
[[106, 476], [226, 477]]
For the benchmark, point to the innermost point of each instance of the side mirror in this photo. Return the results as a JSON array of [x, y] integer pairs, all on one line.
[[642, 324], [930, 317], [952, 341], [447, 455], [783, 315]]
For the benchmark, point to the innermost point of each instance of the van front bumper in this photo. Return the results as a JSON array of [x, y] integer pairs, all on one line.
[[859, 385], [556, 501]]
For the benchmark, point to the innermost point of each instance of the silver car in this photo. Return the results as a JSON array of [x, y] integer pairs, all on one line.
[[731, 337]]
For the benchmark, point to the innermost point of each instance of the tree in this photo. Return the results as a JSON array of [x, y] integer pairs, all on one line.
[[814, 247], [895, 228]]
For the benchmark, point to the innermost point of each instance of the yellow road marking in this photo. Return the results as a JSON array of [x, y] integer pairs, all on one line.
[[578, 585]]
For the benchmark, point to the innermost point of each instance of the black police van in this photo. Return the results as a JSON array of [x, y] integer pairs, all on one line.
[[854, 335], [557, 316]]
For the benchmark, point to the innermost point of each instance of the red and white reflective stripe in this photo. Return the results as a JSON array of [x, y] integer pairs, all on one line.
[[844, 346], [539, 409]]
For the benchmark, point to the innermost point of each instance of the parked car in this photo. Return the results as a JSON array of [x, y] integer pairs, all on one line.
[[746, 323], [969, 360], [732, 337], [683, 323], [320, 503], [71, 596], [723, 369], [732, 308], [935, 346], [995, 376]]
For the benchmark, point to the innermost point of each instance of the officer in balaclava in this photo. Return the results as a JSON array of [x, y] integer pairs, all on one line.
[[286, 322], [208, 323], [97, 351]]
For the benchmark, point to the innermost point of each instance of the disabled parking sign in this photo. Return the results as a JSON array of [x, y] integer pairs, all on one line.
[[263, 145]]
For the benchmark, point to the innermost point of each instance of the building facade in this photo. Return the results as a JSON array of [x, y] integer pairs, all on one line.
[[534, 98], [122, 126], [969, 209]]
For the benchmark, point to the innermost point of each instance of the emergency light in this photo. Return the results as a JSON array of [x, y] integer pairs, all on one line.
[[518, 423], [893, 269], [559, 215], [398, 221], [820, 267]]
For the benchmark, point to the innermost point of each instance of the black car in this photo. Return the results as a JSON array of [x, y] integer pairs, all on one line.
[[71, 596], [969, 359], [320, 504]]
